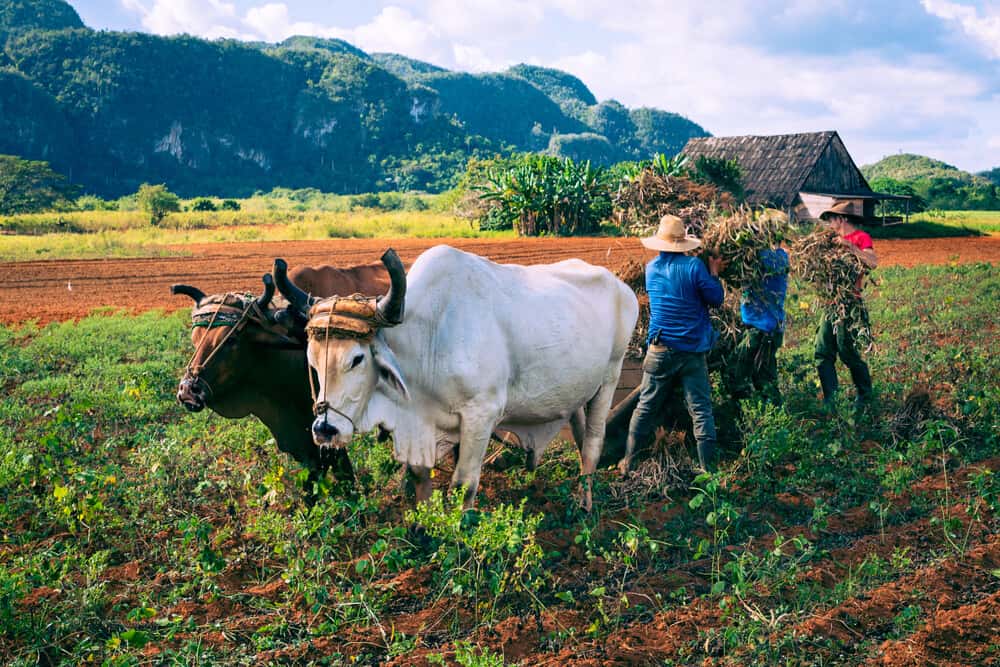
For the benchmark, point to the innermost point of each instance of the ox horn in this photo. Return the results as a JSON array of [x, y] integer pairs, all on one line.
[[268, 294], [390, 306], [192, 292], [296, 297]]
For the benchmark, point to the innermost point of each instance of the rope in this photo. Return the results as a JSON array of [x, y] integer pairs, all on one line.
[[355, 317], [194, 370]]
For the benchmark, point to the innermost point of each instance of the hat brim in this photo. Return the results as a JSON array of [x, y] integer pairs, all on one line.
[[826, 215], [656, 243]]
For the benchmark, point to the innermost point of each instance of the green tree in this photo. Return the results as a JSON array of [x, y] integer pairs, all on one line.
[[993, 175], [895, 187], [157, 201], [203, 204], [724, 174], [28, 186]]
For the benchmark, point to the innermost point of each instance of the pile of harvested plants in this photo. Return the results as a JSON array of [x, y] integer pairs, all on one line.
[[641, 202], [739, 237], [836, 274]]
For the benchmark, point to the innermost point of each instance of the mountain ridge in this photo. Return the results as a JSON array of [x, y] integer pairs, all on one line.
[[115, 109]]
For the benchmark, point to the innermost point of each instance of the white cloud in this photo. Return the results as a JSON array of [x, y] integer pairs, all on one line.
[[473, 59], [397, 30], [479, 21], [984, 29], [134, 6], [207, 18], [728, 86]]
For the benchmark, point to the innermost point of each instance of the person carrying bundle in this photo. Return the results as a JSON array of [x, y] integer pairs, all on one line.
[[754, 365], [680, 289], [839, 338]]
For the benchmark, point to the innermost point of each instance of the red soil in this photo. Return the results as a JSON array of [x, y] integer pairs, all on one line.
[[52, 290]]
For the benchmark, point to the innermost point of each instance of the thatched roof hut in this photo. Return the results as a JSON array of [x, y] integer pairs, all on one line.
[[803, 174]]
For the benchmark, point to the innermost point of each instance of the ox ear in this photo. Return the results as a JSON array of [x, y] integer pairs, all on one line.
[[388, 367]]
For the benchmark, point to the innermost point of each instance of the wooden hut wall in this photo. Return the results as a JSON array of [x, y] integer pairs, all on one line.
[[835, 171]]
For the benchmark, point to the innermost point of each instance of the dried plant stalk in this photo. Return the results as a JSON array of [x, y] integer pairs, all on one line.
[[739, 237], [641, 202]]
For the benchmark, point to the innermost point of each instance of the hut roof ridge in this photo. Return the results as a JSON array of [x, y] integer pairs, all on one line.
[[775, 167]]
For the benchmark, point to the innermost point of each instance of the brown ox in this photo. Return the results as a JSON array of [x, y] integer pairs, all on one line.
[[250, 359]]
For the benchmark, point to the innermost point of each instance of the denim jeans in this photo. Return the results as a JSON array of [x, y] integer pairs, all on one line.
[[661, 368]]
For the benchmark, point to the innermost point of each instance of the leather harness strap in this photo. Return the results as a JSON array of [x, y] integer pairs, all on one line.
[[223, 313]]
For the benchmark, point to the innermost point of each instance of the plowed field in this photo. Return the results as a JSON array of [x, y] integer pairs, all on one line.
[[59, 290], [132, 532]]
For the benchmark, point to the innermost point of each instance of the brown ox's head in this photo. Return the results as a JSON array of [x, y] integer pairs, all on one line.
[[344, 349], [225, 330]]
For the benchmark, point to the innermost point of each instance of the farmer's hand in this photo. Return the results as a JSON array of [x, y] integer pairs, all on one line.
[[716, 264]]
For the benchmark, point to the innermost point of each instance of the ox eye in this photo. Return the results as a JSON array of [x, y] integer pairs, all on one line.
[[356, 361]]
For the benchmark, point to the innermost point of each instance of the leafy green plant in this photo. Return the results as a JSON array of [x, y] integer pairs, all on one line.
[[537, 194], [482, 555], [722, 515]]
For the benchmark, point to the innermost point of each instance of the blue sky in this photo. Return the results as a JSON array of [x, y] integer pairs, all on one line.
[[918, 76]]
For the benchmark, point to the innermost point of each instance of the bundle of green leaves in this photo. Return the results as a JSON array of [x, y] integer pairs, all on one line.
[[738, 238], [836, 275]]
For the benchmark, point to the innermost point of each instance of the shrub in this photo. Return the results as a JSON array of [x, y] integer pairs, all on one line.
[[230, 205], [539, 194], [203, 204], [157, 201], [366, 200], [94, 203]]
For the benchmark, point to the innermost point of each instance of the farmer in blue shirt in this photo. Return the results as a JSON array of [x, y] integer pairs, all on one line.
[[754, 365], [680, 291]]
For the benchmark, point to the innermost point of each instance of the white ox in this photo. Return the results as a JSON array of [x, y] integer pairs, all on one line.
[[482, 346]]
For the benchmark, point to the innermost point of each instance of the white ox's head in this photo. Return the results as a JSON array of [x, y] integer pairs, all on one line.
[[347, 352]]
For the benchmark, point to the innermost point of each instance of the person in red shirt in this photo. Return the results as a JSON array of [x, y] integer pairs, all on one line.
[[838, 339]]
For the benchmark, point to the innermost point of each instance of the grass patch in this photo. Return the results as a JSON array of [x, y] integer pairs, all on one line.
[[984, 221], [921, 229], [90, 234]]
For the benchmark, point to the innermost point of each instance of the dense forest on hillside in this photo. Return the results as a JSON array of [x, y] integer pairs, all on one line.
[[934, 184], [112, 110]]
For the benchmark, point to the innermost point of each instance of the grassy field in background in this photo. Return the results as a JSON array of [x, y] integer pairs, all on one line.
[[128, 234], [982, 221], [88, 234]]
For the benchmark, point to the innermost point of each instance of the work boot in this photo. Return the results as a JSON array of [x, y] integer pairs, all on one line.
[[706, 456]]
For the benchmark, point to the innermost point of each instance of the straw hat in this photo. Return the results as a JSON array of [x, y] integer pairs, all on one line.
[[671, 236], [844, 208]]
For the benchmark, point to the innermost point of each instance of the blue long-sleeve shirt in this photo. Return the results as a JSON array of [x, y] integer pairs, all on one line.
[[680, 291], [764, 307]]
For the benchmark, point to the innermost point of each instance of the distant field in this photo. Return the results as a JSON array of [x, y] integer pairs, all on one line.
[[90, 234], [94, 234], [983, 221], [940, 224]]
